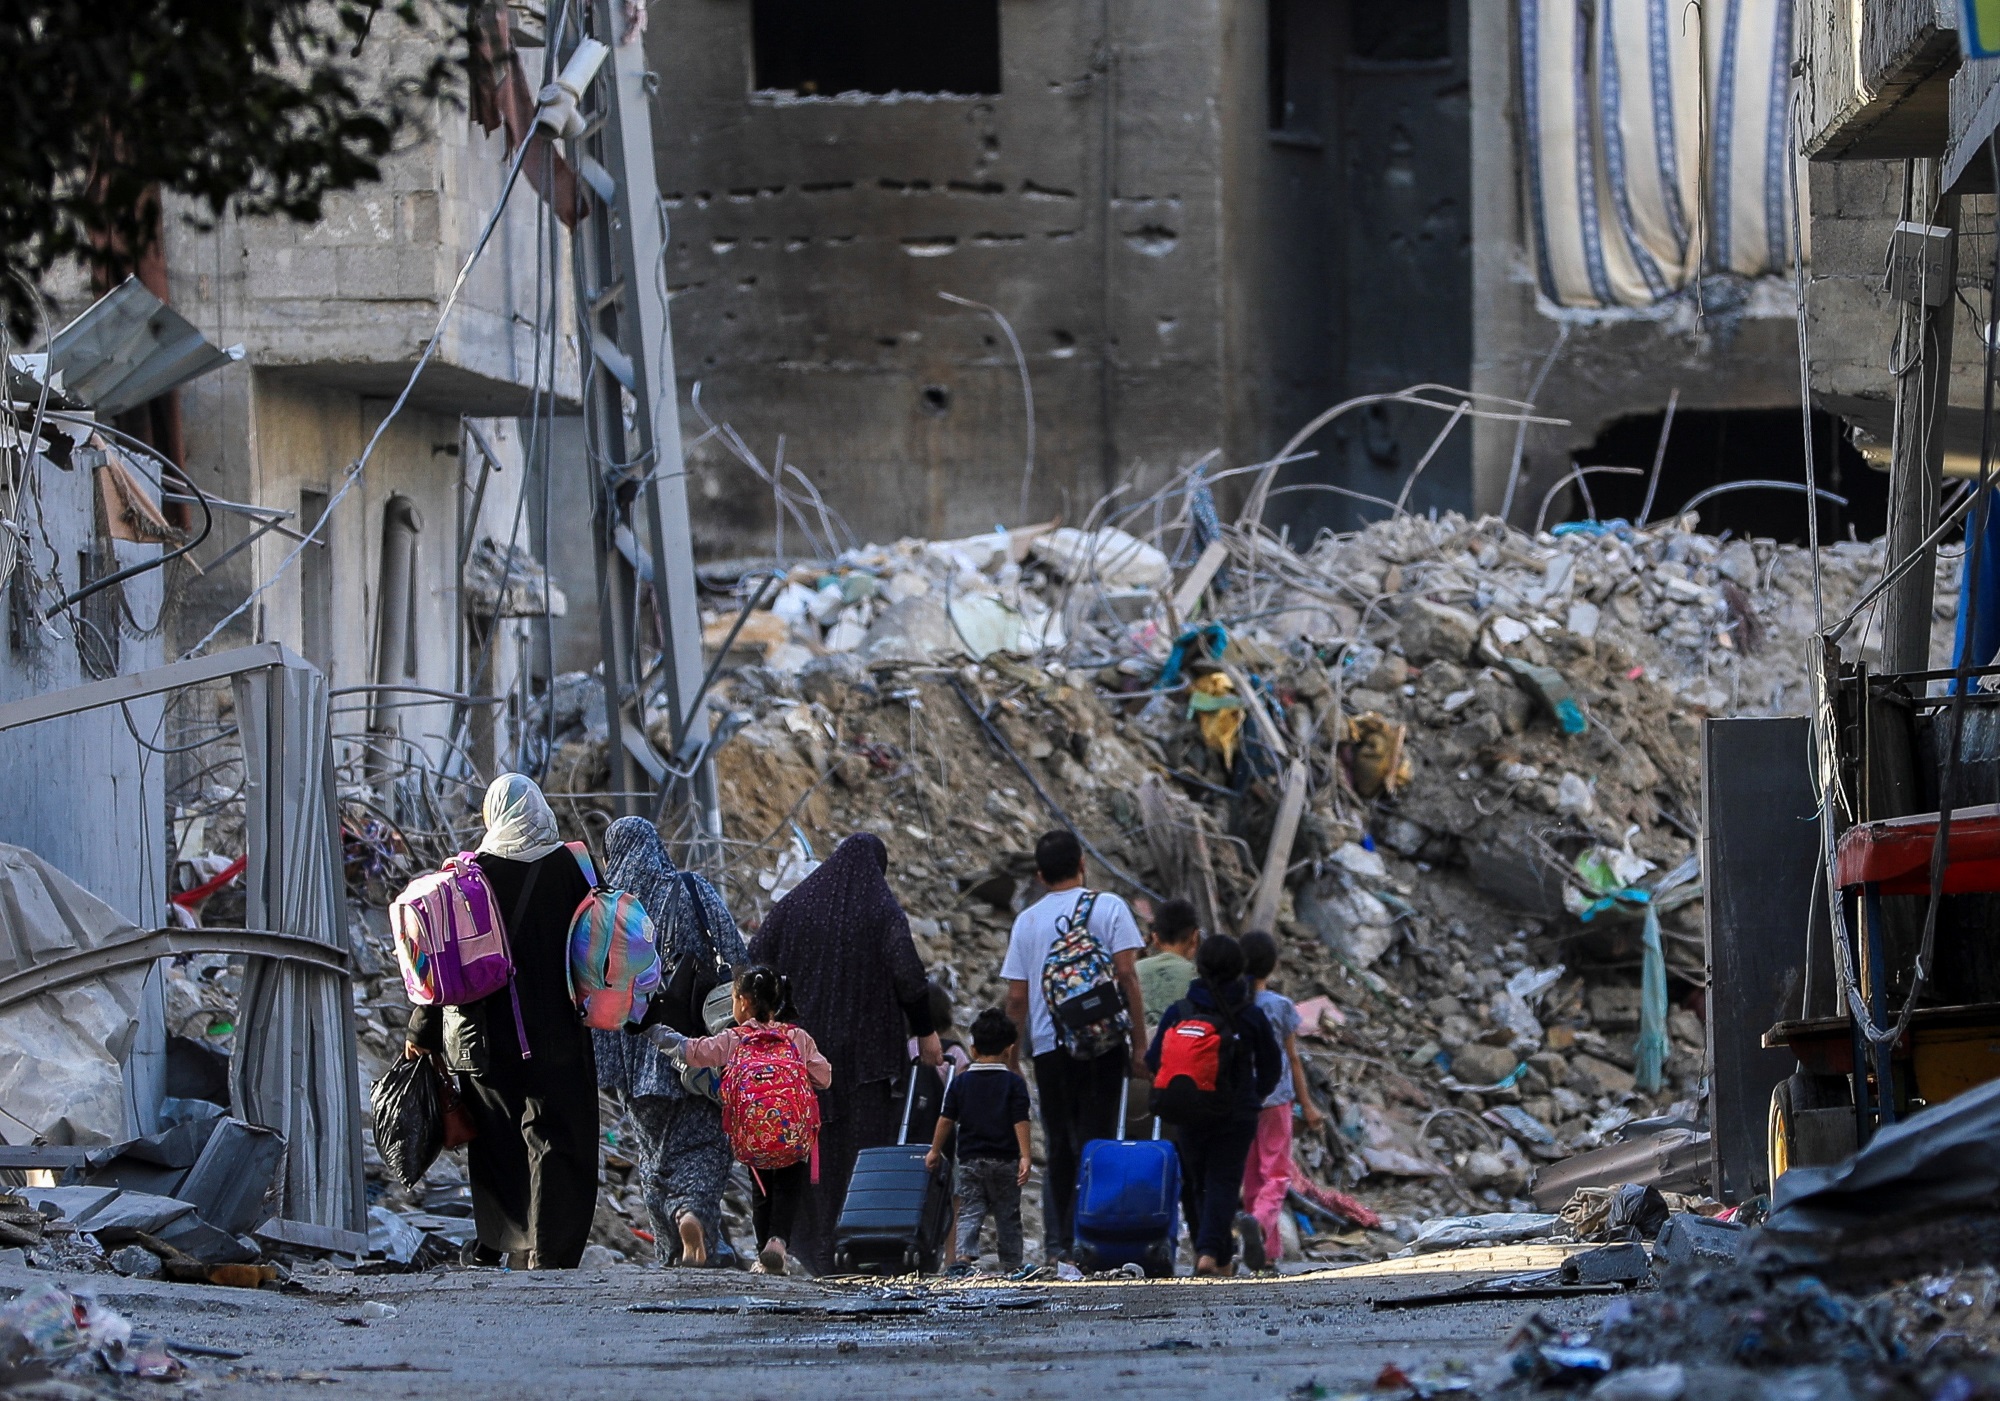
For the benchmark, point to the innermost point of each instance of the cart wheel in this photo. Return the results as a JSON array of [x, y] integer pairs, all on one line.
[[1811, 1124], [1781, 1144]]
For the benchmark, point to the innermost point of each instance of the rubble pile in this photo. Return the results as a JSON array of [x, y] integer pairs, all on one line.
[[1498, 735], [1493, 738], [1748, 1333]]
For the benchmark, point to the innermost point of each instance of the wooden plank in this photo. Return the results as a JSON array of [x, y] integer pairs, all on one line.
[[1271, 884], [1252, 702], [1759, 852], [1198, 579]]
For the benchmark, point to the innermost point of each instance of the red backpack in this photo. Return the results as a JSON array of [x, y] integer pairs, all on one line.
[[1199, 1068], [769, 1109]]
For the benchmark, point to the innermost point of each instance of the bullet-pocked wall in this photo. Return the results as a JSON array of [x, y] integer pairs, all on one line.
[[1059, 160]]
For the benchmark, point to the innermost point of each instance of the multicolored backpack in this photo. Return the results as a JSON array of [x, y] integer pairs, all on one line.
[[450, 940], [769, 1109], [614, 957], [1079, 985]]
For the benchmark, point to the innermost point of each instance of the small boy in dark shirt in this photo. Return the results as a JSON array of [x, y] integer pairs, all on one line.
[[988, 1105]]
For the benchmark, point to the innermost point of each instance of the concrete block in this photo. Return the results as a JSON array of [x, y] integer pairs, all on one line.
[[1850, 247], [417, 217], [1688, 1239], [284, 273], [1623, 1263]]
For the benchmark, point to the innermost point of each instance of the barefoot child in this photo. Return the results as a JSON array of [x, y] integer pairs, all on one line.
[[769, 1073]]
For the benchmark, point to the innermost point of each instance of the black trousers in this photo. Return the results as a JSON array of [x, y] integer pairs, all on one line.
[[774, 1207], [534, 1164], [1079, 1102], [1212, 1158]]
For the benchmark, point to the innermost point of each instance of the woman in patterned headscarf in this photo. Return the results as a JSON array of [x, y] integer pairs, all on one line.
[[683, 1153], [857, 984], [534, 1164]]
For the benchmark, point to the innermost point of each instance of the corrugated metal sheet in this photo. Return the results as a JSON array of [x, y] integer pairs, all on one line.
[[294, 1068]]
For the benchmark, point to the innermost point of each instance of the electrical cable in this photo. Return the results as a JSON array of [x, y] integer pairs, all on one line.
[[144, 566], [368, 451]]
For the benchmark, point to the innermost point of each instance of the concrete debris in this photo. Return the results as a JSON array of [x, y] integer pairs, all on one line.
[[1623, 1263], [1499, 733]]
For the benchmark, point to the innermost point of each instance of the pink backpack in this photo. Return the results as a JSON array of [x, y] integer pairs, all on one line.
[[451, 941], [769, 1109], [614, 957]]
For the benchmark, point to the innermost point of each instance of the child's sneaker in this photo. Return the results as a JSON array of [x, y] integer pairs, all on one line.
[[1250, 1237]]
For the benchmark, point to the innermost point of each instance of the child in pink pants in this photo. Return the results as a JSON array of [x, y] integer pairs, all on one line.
[[1267, 1176]]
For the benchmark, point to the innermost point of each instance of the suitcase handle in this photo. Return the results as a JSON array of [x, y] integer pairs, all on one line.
[[910, 1097]]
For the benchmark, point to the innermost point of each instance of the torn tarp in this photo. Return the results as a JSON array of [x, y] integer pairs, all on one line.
[[61, 1053], [1924, 1194], [1940, 1159]]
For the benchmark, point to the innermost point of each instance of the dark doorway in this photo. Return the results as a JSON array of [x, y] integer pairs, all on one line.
[[823, 47], [1710, 447]]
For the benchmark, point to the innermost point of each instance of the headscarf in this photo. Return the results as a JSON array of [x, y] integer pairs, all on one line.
[[636, 861], [519, 824], [845, 944]]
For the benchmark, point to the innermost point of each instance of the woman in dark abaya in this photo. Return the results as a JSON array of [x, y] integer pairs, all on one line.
[[860, 989], [683, 1153], [534, 1162]]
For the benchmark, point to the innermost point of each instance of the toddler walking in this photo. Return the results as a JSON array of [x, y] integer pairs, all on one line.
[[988, 1105]]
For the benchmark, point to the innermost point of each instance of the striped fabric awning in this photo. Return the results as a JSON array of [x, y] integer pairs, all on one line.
[[1630, 196]]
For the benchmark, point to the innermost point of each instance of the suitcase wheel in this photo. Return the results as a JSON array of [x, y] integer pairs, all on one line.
[[913, 1262], [1159, 1261], [1087, 1259], [843, 1260]]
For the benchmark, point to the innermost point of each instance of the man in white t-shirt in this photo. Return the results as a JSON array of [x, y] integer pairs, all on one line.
[[1079, 1098]]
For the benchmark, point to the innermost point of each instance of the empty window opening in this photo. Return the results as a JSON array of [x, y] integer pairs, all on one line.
[[1298, 41], [315, 588], [821, 48], [1276, 14], [1408, 31], [1711, 447]]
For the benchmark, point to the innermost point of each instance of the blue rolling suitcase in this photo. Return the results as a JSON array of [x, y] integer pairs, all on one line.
[[1128, 1196]]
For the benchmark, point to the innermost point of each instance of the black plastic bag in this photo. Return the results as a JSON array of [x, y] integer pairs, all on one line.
[[409, 1118]]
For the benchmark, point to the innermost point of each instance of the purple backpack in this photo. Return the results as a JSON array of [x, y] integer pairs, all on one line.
[[451, 940]]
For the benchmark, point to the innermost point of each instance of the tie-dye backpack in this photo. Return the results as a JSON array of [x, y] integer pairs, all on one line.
[[614, 958], [769, 1110]]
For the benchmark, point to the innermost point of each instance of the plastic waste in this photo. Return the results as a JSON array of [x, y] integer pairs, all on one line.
[[409, 1118]]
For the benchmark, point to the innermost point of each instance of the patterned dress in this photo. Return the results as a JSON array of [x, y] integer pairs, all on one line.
[[682, 1154]]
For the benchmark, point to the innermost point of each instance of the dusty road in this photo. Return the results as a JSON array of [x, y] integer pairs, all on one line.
[[491, 1334]]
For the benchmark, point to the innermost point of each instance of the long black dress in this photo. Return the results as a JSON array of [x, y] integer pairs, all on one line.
[[534, 1163], [859, 987]]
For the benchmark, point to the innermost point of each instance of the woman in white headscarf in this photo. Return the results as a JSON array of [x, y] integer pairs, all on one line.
[[534, 1163]]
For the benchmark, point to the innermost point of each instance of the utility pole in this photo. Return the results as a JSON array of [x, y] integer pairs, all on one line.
[[644, 542], [1924, 270]]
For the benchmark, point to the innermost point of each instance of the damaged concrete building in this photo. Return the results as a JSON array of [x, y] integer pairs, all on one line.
[[1203, 226]]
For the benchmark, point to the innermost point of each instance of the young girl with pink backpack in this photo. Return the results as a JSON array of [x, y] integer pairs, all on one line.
[[770, 1071]]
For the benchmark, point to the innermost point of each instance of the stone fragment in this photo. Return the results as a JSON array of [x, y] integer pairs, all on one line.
[[1434, 632], [1592, 1076], [1483, 1065]]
